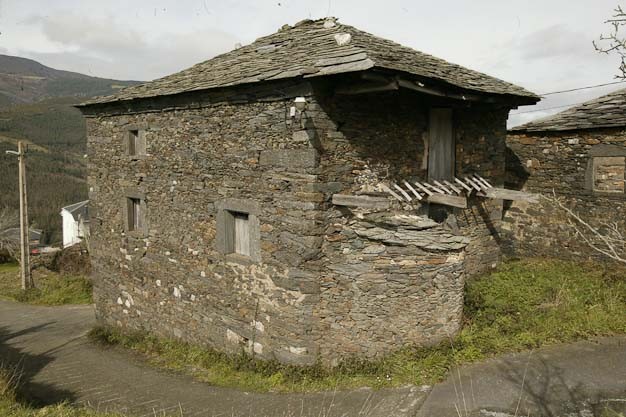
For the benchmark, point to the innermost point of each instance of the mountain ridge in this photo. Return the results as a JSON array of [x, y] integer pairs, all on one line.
[[36, 106]]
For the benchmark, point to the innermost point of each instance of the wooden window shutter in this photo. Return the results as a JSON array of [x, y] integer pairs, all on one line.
[[242, 234], [441, 152]]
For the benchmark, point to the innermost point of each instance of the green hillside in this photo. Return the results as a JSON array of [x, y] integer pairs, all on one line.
[[26, 81], [36, 106]]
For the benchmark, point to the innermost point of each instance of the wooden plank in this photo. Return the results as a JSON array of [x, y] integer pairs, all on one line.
[[504, 194], [417, 195], [390, 191], [469, 181], [482, 181], [361, 201], [443, 187], [404, 193], [441, 149], [421, 187], [364, 88], [242, 234], [448, 200], [452, 186], [485, 181], [458, 181], [432, 187]]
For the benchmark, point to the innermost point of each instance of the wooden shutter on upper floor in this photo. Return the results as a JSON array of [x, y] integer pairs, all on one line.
[[441, 152]]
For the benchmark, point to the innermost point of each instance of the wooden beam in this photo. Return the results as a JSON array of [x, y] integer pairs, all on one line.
[[390, 191], [407, 185], [443, 187], [421, 187], [504, 194], [404, 193], [361, 201], [448, 200], [452, 186], [433, 91], [364, 88], [474, 184], [458, 181]]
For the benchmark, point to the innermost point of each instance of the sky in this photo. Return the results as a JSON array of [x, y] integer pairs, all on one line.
[[542, 45]]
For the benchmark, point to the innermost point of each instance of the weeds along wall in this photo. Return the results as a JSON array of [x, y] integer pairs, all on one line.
[[563, 163], [318, 281]]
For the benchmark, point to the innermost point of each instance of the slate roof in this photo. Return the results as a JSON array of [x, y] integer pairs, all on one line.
[[312, 49], [605, 111]]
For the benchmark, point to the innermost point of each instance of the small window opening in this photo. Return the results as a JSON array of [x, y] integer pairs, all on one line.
[[136, 142], [135, 214], [608, 174], [241, 233]]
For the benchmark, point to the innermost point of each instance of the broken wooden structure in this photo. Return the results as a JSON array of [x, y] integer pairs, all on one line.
[[441, 192]]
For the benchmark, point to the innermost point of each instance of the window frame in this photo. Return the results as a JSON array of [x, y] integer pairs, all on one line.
[[228, 210], [135, 144], [603, 151], [134, 211]]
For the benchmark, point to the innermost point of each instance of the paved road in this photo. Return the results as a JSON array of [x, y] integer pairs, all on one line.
[[59, 363], [575, 380]]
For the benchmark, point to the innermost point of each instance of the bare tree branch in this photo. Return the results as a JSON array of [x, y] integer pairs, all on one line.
[[607, 239], [613, 42]]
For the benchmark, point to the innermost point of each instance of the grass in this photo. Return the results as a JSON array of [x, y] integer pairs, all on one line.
[[52, 288], [523, 305]]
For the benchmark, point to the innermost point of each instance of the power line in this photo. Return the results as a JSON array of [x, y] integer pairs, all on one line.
[[547, 108], [581, 88]]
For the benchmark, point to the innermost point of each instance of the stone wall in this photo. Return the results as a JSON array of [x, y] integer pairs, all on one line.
[[563, 162], [325, 281], [388, 282], [172, 280]]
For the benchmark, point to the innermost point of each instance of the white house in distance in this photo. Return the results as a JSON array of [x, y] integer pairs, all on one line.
[[75, 222]]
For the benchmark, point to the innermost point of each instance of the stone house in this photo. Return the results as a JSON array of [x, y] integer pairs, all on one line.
[[242, 203], [580, 155]]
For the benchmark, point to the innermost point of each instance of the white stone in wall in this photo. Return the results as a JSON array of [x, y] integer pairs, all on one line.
[[158, 282], [258, 325], [297, 350], [233, 337], [176, 292], [202, 274], [258, 348], [119, 300]]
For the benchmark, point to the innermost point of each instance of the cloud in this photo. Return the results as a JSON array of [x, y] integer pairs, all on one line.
[[109, 48], [554, 42]]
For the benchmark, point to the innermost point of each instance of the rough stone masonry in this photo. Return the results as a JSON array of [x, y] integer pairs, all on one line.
[[212, 197], [329, 281]]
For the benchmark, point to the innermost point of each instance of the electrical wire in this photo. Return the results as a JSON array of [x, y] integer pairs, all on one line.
[[581, 88], [547, 108]]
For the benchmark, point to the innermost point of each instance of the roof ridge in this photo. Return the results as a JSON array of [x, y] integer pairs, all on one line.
[[302, 50]]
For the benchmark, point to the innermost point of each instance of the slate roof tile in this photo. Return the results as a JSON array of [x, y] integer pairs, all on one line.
[[602, 112], [310, 49]]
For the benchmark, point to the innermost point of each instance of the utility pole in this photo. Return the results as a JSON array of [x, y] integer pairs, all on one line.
[[27, 279]]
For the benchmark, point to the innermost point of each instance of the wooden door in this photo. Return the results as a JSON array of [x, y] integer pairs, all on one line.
[[441, 152]]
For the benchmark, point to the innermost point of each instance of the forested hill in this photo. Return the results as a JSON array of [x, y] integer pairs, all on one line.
[[26, 81], [36, 106]]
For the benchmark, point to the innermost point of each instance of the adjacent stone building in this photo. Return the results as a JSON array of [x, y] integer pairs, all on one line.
[[212, 191], [578, 154]]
